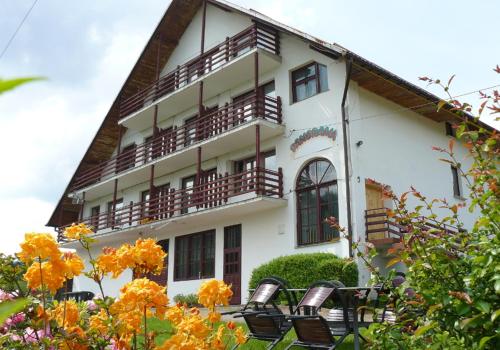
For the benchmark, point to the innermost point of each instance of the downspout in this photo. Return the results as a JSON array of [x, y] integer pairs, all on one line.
[[346, 153]]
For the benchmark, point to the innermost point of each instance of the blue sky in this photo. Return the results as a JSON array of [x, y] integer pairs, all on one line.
[[86, 50]]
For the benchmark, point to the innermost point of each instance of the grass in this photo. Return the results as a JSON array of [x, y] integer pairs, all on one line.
[[161, 326]]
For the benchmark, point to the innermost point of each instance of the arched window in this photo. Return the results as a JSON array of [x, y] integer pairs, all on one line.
[[317, 199]]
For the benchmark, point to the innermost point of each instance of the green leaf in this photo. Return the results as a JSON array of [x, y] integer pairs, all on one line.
[[6, 85], [483, 341], [482, 306], [9, 308], [495, 315], [423, 329]]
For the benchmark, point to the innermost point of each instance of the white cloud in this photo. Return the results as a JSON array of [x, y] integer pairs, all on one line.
[[21, 215]]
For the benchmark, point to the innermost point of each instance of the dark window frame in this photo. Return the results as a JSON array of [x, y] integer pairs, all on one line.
[[450, 129], [129, 161], [203, 259], [317, 188], [457, 187], [305, 80], [95, 216]]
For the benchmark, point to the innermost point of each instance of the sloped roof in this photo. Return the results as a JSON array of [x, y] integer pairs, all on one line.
[[166, 36]]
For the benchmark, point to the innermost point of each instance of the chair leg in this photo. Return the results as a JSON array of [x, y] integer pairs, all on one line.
[[290, 346], [235, 346], [273, 344]]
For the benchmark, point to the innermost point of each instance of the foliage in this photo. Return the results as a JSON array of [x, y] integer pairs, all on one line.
[[105, 322], [191, 300], [10, 84], [301, 270], [455, 277], [11, 275]]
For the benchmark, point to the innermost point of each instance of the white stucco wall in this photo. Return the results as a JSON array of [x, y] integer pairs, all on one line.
[[396, 151]]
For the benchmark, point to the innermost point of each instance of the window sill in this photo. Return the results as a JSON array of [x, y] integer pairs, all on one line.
[[332, 241]]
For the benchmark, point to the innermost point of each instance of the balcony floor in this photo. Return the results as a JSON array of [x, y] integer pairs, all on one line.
[[197, 220], [233, 139], [232, 74]]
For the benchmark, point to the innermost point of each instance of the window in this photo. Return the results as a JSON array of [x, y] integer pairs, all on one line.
[[317, 199], [245, 182], [457, 186], [94, 217], [144, 204], [244, 103], [195, 256], [309, 81], [114, 218], [450, 129], [161, 196], [126, 159], [190, 130], [187, 194]]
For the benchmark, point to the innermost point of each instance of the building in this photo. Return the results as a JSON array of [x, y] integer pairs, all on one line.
[[234, 136]]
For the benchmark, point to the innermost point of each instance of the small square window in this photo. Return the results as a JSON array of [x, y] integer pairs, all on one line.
[[309, 81]]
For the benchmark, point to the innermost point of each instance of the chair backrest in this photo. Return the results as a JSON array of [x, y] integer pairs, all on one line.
[[313, 330], [316, 295], [268, 292], [78, 296]]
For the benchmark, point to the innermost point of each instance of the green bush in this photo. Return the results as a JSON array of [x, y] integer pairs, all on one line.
[[191, 300], [301, 270]]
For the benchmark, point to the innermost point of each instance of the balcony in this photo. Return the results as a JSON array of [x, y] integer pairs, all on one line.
[[228, 127], [227, 65], [384, 231], [225, 196]]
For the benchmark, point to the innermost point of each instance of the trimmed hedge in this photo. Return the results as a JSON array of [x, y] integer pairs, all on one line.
[[301, 270]]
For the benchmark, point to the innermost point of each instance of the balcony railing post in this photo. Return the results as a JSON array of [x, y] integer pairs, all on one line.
[[226, 187], [130, 213], [280, 182], [279, 111]]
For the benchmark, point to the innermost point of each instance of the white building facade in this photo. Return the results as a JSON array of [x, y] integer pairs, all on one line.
[[232, 151]]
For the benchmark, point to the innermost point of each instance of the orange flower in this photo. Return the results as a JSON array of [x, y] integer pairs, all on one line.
[[213, 316], [136, 297], [214, 292], [38, 246], [99, 322], [240, 336], [144, 257], [73, 265], [66, 314], [77, 231], [53, 276]]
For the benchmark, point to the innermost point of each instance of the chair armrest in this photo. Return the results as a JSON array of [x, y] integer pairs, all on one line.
[[248, 313]]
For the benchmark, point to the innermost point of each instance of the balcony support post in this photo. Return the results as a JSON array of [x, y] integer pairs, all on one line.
[[151, 189], [256, 84], [257, 159], [113, 214], [197, 180], [80, 215], [120, 135], [201, 111], [203, 23]]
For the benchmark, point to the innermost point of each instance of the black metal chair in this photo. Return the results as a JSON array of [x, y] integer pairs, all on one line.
[[78, 296], [263, 302], [313, 330]]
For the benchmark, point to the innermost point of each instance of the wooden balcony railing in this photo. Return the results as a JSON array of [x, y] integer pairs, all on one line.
[[175, 139], [255, 36], [380, 228], [207, 194]]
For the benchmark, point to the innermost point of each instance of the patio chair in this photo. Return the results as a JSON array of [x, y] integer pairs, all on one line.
[[78, 296], [263, 302], [312, 329]]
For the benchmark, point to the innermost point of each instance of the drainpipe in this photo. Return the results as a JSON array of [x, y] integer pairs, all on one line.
[[346, 153]]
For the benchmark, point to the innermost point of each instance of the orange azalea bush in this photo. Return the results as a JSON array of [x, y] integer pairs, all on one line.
[[111, 323]]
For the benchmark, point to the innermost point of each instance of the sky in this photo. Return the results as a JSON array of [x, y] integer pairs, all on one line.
[[86, 50]]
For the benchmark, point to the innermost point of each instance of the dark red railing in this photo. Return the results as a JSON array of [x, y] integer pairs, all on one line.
[[175, 139], [208, 194], [379, 226], [255, 36]]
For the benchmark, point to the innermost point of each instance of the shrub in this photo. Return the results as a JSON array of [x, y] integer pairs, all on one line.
[[301, 270], [191, 300]]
